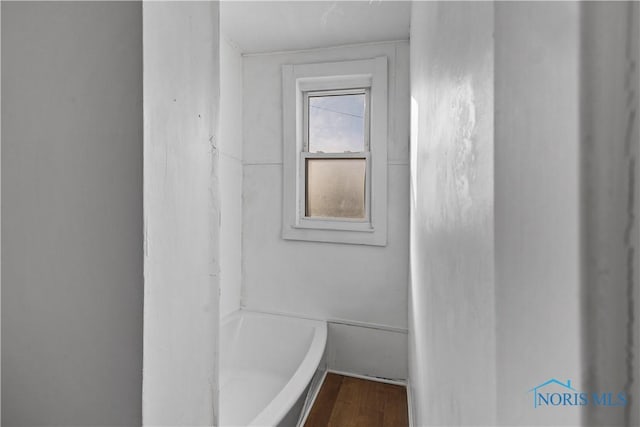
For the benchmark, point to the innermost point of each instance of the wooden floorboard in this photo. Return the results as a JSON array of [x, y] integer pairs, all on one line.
[[353, 402]]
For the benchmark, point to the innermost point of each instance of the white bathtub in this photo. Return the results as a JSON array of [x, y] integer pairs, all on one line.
[[266, 365]]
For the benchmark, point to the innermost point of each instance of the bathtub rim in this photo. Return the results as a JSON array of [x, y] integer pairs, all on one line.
[[286, 398]]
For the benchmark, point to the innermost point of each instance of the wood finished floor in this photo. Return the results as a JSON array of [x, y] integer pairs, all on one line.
[[352, 402]]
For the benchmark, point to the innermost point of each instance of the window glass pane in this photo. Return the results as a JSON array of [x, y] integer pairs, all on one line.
[[336, 188], [336, 123]]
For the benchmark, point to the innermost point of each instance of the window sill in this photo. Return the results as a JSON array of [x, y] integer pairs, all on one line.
[[335, 225], [311, 233]]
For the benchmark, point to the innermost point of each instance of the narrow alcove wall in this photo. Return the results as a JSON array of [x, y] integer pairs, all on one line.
[[361, 290], [181, 213]]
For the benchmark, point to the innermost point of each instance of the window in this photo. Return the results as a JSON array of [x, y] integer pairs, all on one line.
[[335, 153]]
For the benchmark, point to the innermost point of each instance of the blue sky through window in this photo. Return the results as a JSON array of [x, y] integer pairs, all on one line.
[[336, 123]]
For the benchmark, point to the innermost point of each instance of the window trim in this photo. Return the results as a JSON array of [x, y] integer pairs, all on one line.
[[370, 76]]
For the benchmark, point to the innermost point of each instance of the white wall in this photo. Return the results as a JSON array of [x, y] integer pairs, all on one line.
[[181, 208], [481, 338], [230, 162], [538, 304], [351, 282], [451, 311], [72, 286], [367, 351], [355, 283]]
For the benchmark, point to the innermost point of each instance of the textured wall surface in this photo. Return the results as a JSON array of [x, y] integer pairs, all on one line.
[[230, 177], [565, 191], [451, 310], [72, 286], [537, 132], [181, 213]]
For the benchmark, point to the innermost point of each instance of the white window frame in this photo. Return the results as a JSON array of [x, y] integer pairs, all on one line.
[[367, 76]]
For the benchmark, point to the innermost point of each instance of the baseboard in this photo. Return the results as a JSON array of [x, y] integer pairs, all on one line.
[[371, 352], [369, 378], [338, 321]]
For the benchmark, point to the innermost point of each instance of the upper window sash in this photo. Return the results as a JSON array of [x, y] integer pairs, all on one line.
[[366, 91]]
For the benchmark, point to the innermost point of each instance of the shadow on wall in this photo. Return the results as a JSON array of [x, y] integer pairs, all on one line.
[[609, 90]]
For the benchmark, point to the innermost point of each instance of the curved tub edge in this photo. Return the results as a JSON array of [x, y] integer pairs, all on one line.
[[297, 386]]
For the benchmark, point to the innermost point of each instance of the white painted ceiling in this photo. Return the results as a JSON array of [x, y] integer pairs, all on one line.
[[268, 26]]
